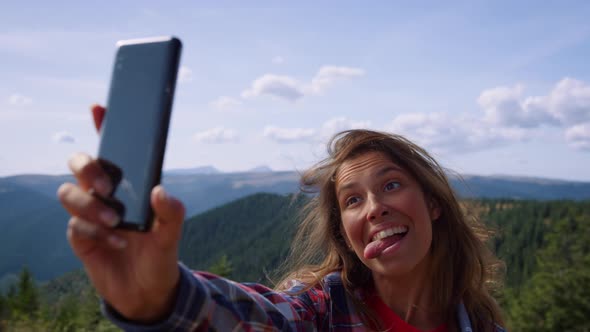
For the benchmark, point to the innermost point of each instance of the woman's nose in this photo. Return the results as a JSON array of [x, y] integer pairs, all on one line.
[[377, 208]]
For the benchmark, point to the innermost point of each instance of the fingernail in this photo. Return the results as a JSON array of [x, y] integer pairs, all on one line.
[[109, 217], [117, 242], [86, 228], [103, 186], [162, 194]]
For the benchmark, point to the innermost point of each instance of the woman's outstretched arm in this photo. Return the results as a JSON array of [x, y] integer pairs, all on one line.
[[205, 301]]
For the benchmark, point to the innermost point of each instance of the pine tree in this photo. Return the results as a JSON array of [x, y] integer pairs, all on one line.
[[67, 312], [557, 297], [27, 297], [222, 267], [89, 315]]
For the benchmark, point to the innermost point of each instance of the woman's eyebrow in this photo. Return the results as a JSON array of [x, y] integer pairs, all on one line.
[[344, 188], [383, 171], [389, 168]]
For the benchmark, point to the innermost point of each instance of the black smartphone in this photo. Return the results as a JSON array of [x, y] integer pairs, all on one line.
[[134, 131]]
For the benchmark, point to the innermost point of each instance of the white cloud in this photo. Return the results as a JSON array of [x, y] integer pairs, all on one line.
[[569, 101], [288, 135], [19, 100], [185, 75], [225, 103], [63, 137], [507, 117], [443, 133], [567, 104], [432, 131], [336, 125], [327, 130], [501, 104], [277, 60], [283, 87], [216, 135], [328, 75], [290, 89], [506, 106], [578, 136]]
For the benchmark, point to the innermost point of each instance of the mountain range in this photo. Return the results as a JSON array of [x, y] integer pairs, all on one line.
[[33, 223]]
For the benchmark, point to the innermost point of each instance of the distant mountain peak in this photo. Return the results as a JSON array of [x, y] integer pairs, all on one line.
[[261, 169], [522, 179], [194, 170]]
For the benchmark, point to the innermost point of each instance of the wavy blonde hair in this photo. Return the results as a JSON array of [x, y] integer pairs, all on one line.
[[463, 268]]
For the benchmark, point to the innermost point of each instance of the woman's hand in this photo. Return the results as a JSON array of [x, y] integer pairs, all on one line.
[[136, 273]]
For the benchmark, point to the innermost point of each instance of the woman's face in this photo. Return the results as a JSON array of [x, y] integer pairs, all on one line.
[[385, 216]]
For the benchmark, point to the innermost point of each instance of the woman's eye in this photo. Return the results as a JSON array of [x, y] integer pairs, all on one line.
[[392, 185], [352, 200]]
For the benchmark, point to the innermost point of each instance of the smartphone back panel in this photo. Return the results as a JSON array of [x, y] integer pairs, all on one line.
[[133, 135]]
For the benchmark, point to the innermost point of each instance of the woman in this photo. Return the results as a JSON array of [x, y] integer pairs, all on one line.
[[395, 253]]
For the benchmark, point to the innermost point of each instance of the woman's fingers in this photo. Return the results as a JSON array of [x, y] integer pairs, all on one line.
[[84, 228], [81, 204], [90, 174], [85, 236], [98, 113]]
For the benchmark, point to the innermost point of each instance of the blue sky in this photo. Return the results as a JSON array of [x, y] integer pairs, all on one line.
[[487, 87]]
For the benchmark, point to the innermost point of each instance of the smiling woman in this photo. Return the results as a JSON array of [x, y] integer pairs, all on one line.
[[383, 245], [385, 216], [386, 220]]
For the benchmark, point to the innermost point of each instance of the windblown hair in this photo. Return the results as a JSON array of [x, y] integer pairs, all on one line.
[[462, 268]]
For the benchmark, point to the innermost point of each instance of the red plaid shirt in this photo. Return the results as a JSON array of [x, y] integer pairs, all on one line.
[[206, 302]]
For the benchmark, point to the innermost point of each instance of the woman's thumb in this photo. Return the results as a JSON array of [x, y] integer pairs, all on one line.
[[169, 215]]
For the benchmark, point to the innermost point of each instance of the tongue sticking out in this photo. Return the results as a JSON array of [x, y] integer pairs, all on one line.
[[375, 248]]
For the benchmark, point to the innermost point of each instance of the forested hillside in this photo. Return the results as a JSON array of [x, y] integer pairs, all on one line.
[[33, 223], [544, 245], [33, 233], [254, 233]]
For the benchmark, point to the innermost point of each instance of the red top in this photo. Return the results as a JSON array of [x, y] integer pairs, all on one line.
[[391, 321]]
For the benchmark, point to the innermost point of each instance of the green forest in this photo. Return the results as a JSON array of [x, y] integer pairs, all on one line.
[[545, 246]]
